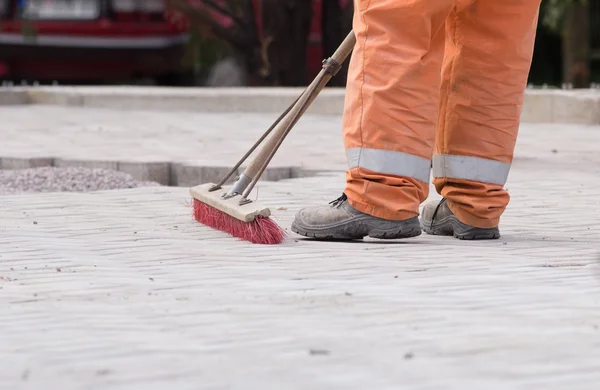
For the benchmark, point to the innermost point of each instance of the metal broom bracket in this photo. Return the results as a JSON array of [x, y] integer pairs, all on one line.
[[244, 201], [331, 66]]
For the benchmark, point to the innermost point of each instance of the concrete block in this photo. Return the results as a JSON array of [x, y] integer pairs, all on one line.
[[273, 100], [329, 102], [91, 164], [188, 175], [276, 173], [541, 105], [538, 107], [159, 172], [137, 101], [9, 97], [570, 107], [60, 97], [24, 163], [193, 99], [299, 172]]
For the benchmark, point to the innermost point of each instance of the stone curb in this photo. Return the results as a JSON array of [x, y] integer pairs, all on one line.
[[541, 105], [270, 100], [562, 106], [10, 97], [166, 173]]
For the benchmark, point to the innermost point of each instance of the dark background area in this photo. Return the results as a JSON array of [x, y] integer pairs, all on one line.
[[236, 42]]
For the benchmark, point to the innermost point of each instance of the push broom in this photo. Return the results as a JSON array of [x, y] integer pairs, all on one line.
[[229, 209]]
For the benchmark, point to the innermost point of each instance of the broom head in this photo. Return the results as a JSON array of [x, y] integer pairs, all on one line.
[[249, 221]]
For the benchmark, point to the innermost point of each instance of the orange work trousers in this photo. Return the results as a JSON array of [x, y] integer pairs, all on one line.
[[436, 83]]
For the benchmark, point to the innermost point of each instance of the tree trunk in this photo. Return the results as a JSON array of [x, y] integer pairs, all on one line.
[[576, 46], [286, 26], [336, 25]]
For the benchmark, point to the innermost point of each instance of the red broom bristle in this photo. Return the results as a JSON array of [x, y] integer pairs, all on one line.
[[262, 230]]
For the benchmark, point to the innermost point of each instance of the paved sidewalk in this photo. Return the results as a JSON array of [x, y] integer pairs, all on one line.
[[123, 290], [217, 140]]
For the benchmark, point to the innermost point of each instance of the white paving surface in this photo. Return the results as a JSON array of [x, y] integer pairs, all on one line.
[[124, 290], [83, 133]]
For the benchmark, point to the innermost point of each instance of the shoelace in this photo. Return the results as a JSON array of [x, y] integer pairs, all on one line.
[[339, 201], [436, 211]]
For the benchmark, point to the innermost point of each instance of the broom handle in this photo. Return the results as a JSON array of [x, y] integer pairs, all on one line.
[[335, 61]]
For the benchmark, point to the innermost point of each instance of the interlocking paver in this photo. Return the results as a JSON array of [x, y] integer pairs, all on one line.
[[124, 290]]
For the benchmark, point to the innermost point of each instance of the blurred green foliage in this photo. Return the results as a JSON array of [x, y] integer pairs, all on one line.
[[553, 12]]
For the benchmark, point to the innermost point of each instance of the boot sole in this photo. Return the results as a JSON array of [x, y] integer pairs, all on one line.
[[451, 226], [404, 229]]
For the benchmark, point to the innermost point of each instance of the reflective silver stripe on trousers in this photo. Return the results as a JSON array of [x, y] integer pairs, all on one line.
[[389, 163], [470, 168]]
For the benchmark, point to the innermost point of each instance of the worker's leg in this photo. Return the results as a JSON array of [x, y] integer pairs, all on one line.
[[392, 104], [489, 48], [391, 109]]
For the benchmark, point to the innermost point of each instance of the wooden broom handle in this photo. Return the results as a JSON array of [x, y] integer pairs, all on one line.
[[330, 67]]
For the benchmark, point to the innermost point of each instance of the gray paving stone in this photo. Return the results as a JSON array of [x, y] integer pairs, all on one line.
[[67, 98], [576, 109], [185, 175], [24, 162], [159, 172], [63, 162], [188, 175], [230, 99], [277, 173], [9, 97]]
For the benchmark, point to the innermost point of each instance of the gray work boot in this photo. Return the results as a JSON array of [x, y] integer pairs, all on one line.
[[340, 221], [438, 219]]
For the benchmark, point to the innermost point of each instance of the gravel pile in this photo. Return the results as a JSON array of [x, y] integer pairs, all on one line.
[[53, 179]]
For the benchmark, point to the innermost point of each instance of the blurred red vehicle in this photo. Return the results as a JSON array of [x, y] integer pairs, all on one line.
[[94, 41], [89, 41]]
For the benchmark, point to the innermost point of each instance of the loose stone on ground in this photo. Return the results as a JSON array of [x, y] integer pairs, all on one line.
[[71, 179]]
